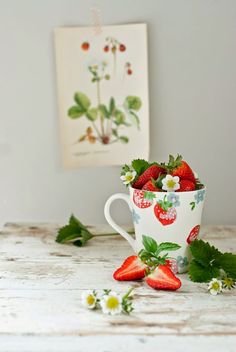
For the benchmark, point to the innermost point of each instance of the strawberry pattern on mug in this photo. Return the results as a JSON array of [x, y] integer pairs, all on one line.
[[143, 199], [193, 234], [165, 212]]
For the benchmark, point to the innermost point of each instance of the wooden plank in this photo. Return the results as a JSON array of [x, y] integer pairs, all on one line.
[[41, 282]]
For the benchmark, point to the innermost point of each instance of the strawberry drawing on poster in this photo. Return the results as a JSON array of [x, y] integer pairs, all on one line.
[[103, 94]]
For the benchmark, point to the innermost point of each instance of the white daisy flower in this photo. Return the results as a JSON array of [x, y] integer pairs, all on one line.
[[89, 299], [170, 183], [215, 286], [128, 177], [111, 303]]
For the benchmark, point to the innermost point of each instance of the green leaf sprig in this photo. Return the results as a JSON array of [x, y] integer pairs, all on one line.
[[74, 232], [208, 263], [150, 255]]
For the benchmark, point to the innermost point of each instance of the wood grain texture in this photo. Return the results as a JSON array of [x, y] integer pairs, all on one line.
[[41, 283]]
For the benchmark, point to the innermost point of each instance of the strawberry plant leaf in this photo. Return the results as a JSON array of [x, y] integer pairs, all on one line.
[[103, 109], [67, 233], [92, 114], [73, 230], [140, 165], [75, 112], [200, 273], [134, 119], [112, 106], [82, 101], [149, 244], [227, 262], [124, 139], [133, 103], [204, 253]]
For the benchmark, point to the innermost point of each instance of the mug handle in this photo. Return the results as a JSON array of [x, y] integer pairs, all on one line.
[[113, 224]]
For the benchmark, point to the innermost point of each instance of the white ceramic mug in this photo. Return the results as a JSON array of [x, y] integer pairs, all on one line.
[[165, 216]]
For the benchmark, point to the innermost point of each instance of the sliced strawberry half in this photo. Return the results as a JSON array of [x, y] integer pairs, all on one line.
[[162, 278], [173, 265], [193, 234], [132, 269], [152, 171]]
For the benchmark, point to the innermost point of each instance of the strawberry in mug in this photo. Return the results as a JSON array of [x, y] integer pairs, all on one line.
[[167, 201]]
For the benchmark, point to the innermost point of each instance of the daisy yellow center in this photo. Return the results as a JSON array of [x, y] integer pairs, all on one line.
[[90, 300], [112, 302], [215, 286], [170, 183], [129, 178]]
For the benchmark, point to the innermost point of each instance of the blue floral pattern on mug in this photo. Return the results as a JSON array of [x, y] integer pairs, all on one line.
[[182, 261], [174, 199], [199, 197], [135, 217]]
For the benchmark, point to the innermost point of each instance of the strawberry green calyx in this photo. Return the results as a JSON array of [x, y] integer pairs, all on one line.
[[150, 255], [158, 182], [125, 168], [172, 164], [165, 204]]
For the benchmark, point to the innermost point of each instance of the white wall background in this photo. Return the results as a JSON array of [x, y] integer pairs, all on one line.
[[192, 57]]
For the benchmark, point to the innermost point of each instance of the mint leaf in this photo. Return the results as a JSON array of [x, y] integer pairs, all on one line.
[[204, 253], [140, 165], [167, 246], [227, 262], [74, 230], [149, 244], [200, 273], [150, 254]]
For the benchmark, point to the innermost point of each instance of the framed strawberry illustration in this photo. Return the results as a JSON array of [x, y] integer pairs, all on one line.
[[103, 94]]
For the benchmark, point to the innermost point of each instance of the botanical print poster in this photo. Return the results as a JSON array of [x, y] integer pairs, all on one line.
[[103, 94]]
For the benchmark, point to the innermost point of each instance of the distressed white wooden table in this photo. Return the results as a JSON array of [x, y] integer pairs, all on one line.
[[41, 284]]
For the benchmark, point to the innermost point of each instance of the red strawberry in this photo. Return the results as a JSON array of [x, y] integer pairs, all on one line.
[[152, 171], [184, 171], [165, 212], [132, 269], [150, 186], [122, 47], [162, 278], [143, 199], [172, 264], [85, 46], [186, 186], [193, 234]]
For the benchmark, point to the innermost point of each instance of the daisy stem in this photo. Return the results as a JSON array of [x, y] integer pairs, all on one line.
[[128, 293]]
